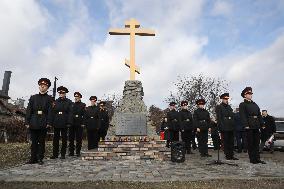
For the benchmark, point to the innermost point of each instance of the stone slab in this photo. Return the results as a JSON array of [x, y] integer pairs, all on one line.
[[131, 124]]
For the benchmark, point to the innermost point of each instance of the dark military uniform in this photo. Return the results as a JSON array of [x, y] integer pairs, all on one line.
[[252, 121], [215, 136], [104, 123], [174, 128], [225, 122], [92, 122], [38, 116], [240, 134], [76, 130], [186, 127], [201, 118], [193, 142], [62, 119], [268, 130]]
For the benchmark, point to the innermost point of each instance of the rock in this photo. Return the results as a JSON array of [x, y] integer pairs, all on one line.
[[131, 103]]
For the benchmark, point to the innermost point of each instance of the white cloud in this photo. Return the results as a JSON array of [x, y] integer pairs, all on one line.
[[177, 49], [263, 70], [21, 24], [221, 8]]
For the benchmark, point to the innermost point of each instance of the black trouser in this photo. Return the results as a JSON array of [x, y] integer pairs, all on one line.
[[202, 141], [75, 134], [253, 138], [56, 138], [241, 140], [193, 139], [186, 137], [103, 133], [216, 140], [93, 138], [229, 144], [174, 135], [38, 144]]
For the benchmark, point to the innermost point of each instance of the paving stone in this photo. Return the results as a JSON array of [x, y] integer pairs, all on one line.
[[194, 168]]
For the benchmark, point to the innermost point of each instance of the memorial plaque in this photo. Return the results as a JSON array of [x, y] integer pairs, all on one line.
[[131, 124]]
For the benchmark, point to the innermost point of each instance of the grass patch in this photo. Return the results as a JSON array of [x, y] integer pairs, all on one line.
[[12, 154]]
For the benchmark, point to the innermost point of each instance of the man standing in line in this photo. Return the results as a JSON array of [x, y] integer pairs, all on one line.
[[62, 119], [240, 133], [215, 135], [225, 122], [173, 117], [76, 130], [92, 122], [38, 118], [251, 120], [104, 121], [201, 118], [186, 126]]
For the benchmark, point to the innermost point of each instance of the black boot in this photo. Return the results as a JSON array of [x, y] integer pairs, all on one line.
[[40, 162], [71, 154], [208, 155], [260, 161], [31, 162]]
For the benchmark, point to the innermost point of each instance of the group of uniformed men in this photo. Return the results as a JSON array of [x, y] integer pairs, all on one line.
[[199, 123], [67, 119], [67, 116]]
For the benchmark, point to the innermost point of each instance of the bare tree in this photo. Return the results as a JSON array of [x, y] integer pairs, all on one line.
[[156, 116], [195, 87]]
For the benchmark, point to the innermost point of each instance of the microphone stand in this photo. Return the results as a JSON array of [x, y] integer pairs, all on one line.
[[219, 162]]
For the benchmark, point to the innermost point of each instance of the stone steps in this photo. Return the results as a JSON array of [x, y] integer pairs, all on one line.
[[125, 150]]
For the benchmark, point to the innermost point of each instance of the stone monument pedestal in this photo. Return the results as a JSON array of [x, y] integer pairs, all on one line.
[[129, 150], [130, 117], [130, 122]]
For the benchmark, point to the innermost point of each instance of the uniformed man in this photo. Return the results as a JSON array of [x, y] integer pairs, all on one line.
[[165, 128], [240, 133], [38, 118], [76, 130], [215, 135], [186, 126], [104, 121], [267, 131], [226, 124], [252, 121], [193, 142], [173, 120], [62, 119], [92, 122], [201, 119]]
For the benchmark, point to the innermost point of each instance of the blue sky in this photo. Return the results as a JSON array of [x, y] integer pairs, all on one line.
[[240, 41], [249, 24]]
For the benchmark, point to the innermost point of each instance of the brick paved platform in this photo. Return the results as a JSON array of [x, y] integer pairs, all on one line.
[[73, 169], [126, 150]]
